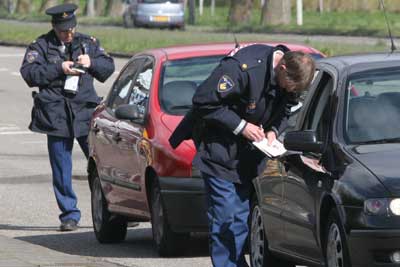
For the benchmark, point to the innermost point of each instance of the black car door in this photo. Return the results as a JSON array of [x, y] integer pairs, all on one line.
[[269, 186], [303, 179]]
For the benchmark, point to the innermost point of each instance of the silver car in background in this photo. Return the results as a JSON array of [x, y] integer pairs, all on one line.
[[154, 13]]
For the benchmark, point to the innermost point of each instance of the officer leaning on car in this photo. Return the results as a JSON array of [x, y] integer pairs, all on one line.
[[246, 98], [62, 64]]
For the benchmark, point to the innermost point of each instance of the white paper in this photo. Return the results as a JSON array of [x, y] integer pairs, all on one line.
[[71, 83], [273, 150]]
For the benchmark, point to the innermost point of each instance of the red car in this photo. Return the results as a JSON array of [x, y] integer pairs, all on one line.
[[134, 174]]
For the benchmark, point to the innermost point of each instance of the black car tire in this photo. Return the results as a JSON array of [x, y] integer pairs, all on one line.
[[128, 20], [108, 228], [336, 251], [260, 255], [167, 242]]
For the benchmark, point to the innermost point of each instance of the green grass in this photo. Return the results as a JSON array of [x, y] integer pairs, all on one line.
[[360, 23], [130, 41]]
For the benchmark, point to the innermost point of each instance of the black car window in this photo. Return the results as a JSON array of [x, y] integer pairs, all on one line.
[[180, 79], [373, 106], [317, 115], [121, 88], [141, 88]]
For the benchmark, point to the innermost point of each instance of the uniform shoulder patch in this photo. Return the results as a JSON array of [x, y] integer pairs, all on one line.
[[31, 56], [225, 84]]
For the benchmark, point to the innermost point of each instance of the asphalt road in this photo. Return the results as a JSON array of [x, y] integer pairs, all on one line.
[[28, 210]]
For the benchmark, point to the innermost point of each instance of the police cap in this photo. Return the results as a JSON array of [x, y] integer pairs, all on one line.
[[63, 16]]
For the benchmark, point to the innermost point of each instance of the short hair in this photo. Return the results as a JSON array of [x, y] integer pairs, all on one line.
[[300, 69]]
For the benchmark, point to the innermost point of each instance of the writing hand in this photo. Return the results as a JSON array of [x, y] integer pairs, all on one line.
[[253, 132]]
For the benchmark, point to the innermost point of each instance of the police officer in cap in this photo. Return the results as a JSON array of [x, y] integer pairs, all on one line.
[[247, 97], [62, 64]]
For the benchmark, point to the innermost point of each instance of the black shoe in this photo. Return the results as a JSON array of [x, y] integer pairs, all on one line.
[[69, 225]]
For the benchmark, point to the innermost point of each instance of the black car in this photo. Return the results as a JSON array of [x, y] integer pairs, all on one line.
[[334, 198]]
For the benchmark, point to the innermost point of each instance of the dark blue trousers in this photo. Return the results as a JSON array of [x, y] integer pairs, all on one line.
[[60, 154], [228, 212]]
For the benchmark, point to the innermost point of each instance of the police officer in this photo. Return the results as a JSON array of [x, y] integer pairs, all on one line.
[[248, 97], [62, 64]]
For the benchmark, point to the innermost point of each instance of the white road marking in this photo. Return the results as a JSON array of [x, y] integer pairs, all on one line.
[[3, 69], [8, 128], [12, 55], [32, 142], [41, 142], [17, 133], [15, 73]]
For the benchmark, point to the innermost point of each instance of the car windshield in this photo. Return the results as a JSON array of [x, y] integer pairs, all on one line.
[[180, 80], [373, 107]]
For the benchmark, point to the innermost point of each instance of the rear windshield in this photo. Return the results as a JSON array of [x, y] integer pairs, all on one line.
[[180, 80], [373, 106]]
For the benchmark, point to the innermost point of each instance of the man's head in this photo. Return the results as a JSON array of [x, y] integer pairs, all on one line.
[[295, 71], [63, 20]]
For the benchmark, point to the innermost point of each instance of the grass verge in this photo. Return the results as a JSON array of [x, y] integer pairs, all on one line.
[[130, 41]]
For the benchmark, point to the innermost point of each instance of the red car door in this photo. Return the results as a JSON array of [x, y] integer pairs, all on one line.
[[107, 141], [132, 146]]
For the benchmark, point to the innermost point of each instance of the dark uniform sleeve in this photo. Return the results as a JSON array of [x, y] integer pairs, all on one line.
[[36, 71], [219, 92], [101, 64]]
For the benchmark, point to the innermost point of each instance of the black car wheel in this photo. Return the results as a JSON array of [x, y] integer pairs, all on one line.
[[260, 256], [168, 243], [108, 228], [336, 247]]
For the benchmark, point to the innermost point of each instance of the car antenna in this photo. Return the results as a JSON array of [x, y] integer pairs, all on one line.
[[237, 45], [393, 46]]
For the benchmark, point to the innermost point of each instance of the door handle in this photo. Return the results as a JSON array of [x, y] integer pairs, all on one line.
[[116, 137]]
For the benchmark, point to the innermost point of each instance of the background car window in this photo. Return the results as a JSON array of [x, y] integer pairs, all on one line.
[[373, 109], [120, 91], [180, 80], [140, 91]]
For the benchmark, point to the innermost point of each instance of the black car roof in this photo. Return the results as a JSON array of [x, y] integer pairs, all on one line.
[[351, 60]]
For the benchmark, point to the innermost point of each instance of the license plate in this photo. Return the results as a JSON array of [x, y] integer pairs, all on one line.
[[160, 18]]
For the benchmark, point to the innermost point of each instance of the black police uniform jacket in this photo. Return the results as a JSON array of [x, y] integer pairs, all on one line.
[[56, 112], [242, 87]]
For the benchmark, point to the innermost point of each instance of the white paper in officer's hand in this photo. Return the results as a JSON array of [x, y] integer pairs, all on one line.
[[71, 83], [275, 149]]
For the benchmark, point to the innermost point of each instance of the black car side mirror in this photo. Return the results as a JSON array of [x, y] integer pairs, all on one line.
[[129, 112], [304, 141]]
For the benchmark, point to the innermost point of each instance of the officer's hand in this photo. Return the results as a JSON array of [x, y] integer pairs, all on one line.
[[66, 66], [84, 60], [271, 136], [253, 132]]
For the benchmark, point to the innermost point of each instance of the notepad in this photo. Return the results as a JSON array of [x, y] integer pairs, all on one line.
[[275, 149]]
